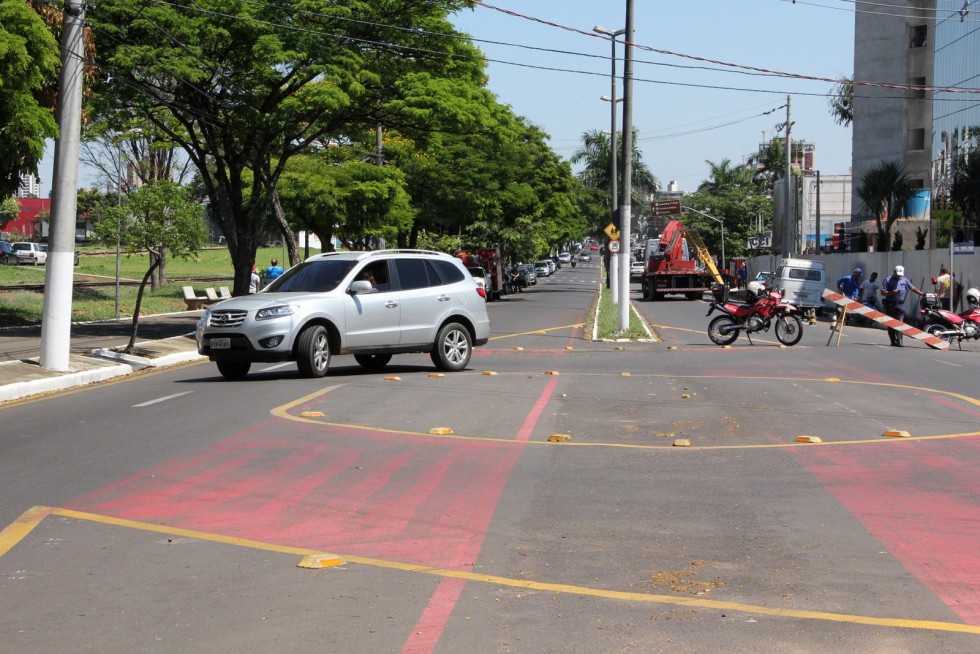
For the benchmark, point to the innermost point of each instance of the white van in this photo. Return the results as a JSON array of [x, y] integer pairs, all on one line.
[[801, 282]]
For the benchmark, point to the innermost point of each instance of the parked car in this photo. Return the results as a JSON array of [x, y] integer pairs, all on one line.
[[369, 304], [483, 280], [637, 268], [25, 252], [543, 268], [529, 277], [564, 257], [44, 246]]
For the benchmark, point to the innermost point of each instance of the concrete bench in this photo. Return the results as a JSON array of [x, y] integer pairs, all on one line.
[[193, 300]]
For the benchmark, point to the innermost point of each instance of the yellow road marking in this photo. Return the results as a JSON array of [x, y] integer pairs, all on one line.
[[36, 514], [535, 332], [282, 412]]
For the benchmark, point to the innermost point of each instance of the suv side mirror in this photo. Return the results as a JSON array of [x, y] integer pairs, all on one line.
[[360, 286]]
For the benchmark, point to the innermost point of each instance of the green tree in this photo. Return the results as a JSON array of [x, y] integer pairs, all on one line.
[[249, 90], [355, 201], [739, 210], [884, 190], [594, 154], [965, 190], [770, 163], [724, 177], [841, 102], [159, 218], [9, 210], [28, 63]]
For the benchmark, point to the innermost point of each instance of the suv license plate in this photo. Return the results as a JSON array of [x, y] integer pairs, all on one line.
[[220, 343]]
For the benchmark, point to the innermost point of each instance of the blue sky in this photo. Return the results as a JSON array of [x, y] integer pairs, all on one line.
[[675, 121], [811, 38]]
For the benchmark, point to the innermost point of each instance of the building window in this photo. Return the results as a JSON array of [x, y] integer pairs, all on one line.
[[917, 94], [918, 36], [916, 139]]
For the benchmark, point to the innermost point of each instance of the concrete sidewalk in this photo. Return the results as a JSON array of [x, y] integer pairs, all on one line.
[[25, 377]]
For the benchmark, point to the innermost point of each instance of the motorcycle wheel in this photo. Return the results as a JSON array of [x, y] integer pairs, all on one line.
[[789, 329], [936, 330], [718, 330]]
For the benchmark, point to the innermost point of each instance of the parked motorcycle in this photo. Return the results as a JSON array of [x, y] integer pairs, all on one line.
[[767, 311], [949, 325]]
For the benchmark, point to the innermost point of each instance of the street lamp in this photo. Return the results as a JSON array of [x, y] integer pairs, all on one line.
[[721, 222], [612, 273]]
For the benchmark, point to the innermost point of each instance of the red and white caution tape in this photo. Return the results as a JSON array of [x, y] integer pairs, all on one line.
[[884, 319]]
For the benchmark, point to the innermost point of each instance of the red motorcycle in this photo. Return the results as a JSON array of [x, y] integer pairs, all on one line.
[[767, 311], [948, 325]]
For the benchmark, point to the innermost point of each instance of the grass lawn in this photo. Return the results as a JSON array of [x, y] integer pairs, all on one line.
[[212, 266]]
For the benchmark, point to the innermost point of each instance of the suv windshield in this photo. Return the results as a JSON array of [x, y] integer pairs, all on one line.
[[313, 276]]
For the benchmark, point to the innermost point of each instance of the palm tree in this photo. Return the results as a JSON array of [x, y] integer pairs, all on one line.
[[884, 190], [965, 191], [725, 177], [770, 165], [595, 152]]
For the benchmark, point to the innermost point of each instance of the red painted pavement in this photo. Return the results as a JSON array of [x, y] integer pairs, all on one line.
[[921, 500]]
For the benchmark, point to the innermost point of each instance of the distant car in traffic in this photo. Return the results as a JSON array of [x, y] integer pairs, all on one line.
[[584, 256], [483, 280], [25, 252], [637, 269], [529, 277], [44, 246]]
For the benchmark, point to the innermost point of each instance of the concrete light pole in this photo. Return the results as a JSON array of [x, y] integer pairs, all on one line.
[[625, 201], [613, 155], [56, 323]]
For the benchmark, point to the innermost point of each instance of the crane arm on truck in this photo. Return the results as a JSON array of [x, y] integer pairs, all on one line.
[[702, 251]]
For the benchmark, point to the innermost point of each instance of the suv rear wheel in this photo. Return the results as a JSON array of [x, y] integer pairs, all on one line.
[[453, 348], [313, 352], [373, 361]]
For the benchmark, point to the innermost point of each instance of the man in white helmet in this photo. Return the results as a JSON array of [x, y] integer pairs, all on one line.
[[893, 291]]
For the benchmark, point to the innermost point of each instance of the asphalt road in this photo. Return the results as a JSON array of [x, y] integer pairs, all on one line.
[[178, 504]]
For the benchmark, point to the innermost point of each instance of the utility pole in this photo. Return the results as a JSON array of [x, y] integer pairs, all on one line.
[[625, 210], [818, 250], [612, 275], [56, 322], [786, 242]]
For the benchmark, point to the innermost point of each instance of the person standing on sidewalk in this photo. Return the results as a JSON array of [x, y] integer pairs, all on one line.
[[868, 293], [894, 290], [255, 282]]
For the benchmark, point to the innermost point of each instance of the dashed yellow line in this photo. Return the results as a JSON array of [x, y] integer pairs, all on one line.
[[13, 534]]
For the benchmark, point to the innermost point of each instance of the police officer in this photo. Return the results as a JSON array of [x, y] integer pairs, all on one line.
[[894, 290]]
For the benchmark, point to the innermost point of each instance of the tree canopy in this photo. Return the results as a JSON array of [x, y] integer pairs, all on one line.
[[28, 63], [246, 86]]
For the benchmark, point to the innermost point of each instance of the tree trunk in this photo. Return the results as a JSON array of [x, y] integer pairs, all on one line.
[[139, 301], [285, 229]]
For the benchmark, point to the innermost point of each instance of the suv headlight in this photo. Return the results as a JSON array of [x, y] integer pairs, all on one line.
[[280, 311]]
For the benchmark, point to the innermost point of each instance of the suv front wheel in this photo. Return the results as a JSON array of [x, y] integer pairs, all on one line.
[[234, 370], [313, 352], [453, 348]]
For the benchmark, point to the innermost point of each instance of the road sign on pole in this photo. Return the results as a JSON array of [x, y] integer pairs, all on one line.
[[614, 246], [612, 232], [666, 208]]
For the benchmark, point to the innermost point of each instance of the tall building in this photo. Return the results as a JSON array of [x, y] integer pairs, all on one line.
[[906, 46], [956, 116], [30, 186]]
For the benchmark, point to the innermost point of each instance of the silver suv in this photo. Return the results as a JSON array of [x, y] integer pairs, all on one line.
[[369, 304]]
